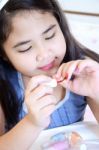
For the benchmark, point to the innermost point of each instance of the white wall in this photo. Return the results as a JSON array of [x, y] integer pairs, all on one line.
[[84, 28], [81, 5]]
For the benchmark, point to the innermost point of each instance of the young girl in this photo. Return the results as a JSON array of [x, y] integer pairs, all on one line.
[[36, 46]]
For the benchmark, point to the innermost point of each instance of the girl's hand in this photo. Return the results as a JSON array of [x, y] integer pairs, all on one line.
[[86, 77], [40, 101]]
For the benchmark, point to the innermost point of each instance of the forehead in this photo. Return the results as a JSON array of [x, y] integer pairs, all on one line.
[[29, 24], [34, 19]]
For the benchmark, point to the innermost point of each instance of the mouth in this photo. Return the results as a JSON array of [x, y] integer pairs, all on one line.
[[48, 66]]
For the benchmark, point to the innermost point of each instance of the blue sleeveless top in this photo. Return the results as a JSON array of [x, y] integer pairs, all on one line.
[[70, 110]]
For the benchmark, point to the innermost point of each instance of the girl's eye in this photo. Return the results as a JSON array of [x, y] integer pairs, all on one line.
[[50, 37], [22, 51]]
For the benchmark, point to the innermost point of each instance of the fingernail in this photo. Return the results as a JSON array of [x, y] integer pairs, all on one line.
[[60, 79], [77, 69], [57, 76], [66, 76]]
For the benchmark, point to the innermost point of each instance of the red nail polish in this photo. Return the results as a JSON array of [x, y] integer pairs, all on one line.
[[57, 77], [66, 76], [77, 69]]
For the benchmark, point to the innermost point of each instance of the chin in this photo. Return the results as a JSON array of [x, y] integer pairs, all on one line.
[[51, 72]]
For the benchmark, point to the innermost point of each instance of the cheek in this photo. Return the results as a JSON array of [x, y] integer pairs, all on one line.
[[26, 68], [61, 46], [23, 63]]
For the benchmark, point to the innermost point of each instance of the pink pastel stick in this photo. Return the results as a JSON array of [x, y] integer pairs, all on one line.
[[62, 145]]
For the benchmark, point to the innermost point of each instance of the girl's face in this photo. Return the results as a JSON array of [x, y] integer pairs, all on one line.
[[36, 44]]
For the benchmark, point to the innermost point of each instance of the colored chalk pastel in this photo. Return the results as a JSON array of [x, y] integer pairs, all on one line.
[[62, 145], [58, 137], [52, 83]]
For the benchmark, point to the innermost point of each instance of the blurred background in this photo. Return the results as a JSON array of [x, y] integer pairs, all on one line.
[[83, 19]]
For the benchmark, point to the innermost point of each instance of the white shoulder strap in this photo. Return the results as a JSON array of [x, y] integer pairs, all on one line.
[[2, 3]]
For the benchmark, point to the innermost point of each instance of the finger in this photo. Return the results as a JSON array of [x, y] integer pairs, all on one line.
[[46, 101], [47, 111], [36, 81], [88, 63], [58, 75], [39, 92], [72, 68], [61, 73], [68, 69]]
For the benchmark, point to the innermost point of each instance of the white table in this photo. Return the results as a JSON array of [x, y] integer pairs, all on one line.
[[88, 130]]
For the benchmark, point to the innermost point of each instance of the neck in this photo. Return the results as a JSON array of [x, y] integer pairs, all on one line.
[[25, 81]]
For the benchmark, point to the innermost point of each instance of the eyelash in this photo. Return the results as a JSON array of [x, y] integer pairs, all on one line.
[[26, 50], [31, 46], [50, 36]]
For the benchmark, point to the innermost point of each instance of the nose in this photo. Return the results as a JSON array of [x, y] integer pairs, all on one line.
[[43, 53]]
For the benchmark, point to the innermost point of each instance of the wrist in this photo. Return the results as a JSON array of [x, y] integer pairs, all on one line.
[[93, 97], [32, 124]]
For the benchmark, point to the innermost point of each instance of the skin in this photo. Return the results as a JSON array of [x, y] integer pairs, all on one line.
[[41, 99], [86, 74], [41, 51], [84, 71]]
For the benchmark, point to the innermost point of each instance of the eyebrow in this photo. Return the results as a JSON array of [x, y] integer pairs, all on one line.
[[21, 43], [50, 28], [25, 42]]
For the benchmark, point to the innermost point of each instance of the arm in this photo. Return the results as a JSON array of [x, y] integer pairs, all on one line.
[[94, 106], [85, 82], [40, 103], [20, 137], [93, 98]]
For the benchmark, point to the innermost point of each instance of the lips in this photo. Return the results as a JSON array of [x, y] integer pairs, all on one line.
[[48, 66]]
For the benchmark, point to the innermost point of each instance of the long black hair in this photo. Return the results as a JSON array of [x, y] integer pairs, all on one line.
[[9, 102], [74, 49]]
